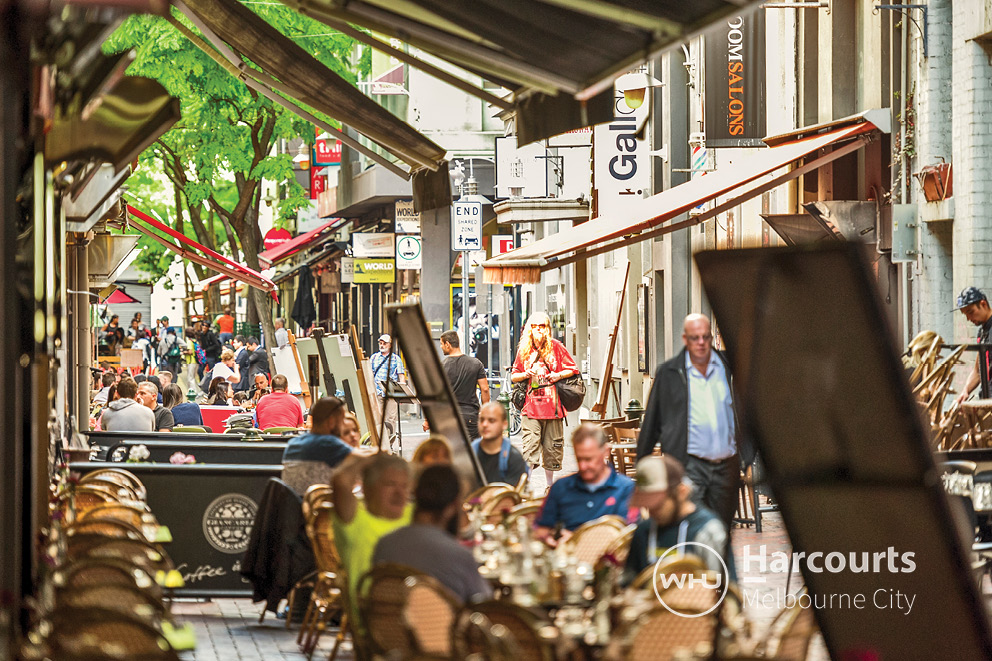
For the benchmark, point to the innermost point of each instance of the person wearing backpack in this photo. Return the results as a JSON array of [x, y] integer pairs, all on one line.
[[499, 460], [170, 352]]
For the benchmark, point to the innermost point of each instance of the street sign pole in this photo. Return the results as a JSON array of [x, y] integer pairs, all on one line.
[[465, 297]]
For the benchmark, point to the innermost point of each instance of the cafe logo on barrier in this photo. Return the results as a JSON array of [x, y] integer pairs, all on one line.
[[227, 522], [671, 587]]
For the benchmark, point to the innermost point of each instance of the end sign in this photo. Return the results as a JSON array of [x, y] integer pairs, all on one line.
[[466, 226]]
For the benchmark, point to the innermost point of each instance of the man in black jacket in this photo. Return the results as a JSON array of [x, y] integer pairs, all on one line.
[[691, 413], [258, 362], [241, 355]]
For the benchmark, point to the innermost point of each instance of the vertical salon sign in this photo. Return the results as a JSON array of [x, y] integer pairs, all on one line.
[[735, 82]]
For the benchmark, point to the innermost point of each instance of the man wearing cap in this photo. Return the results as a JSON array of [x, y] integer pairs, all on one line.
[[690, 412], [975, 306], [673, 519], [386, 366]]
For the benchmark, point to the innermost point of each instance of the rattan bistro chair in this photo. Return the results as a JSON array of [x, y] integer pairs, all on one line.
[[500, 504], [529, 510], [125, 513], [125, 599], [104, 527], [531, 634], [149, 557], [592, 538], [660, 634], [326, 599], [89, 572], [407, 614], [118, 475], [94, 633]]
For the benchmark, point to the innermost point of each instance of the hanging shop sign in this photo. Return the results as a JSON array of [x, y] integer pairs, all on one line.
[[621, 162], [735, 82], [347, 270], [408, 252], [318, 183], [327, 151], [374, 271], [407, 220], [502, 243], [373, 244]]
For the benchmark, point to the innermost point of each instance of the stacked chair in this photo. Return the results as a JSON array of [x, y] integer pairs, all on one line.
[[104, 595]]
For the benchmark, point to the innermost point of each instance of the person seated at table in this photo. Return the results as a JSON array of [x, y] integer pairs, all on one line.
[[360, 524], [428, 544], [311, 457], [184, 413], [220, 392], [279, 408], [500, 461], [435, 450], [595, 490], [673, 518], [126, 413]]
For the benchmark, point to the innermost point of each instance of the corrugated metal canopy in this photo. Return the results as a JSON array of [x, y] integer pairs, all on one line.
[[575, 47]]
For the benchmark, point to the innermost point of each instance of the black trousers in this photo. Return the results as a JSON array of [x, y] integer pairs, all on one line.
[[715, 485], [471, 418]]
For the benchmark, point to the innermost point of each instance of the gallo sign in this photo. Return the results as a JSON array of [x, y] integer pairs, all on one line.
[[374, 271]]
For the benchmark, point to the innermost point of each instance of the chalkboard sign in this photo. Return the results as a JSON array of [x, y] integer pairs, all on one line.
[[209, 510]]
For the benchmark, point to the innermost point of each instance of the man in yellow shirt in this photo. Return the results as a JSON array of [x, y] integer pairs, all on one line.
[[358, 524]]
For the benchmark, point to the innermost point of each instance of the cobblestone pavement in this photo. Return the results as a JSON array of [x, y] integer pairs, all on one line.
[[228, 629]]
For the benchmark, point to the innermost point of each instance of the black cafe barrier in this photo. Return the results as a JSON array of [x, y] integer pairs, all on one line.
[[209, 510], [107, 439], [204, 452]]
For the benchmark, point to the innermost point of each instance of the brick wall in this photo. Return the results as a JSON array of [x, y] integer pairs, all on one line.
[[972, 151]]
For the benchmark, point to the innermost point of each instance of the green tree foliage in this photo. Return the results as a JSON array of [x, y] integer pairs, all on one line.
[[216, 156]]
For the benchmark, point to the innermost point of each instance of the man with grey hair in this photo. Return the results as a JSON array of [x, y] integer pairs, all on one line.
[[282, 335], [358, 525], [595, 490], [147, 396], [690, 412]]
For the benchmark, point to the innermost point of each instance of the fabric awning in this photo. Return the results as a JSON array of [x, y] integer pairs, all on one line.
[[213, 280], [299, 242], [744, 180], [195, 252]]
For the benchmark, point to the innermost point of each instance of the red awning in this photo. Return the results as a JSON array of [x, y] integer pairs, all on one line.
[[200, 254], [120, 297], [299, 242], [741, 181], [213, 280]]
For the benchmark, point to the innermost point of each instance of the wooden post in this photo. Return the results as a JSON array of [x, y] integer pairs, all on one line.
[[370, 417], [602, 398]]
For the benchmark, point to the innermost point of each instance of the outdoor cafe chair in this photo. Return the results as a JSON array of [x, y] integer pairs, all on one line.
[[118, 489], [148, 556], [125, 599], [87, 634], [591, 539], [89, 572], [659, 634], [106, 527], [83, 497], [618, 549], [789, 635], [482, 495], [475, 638], [326, 595], [499, 504], [687, 564], [118, 475], [315, 494], [532, 635], [129, 515], [623, 450], [406, 613], [529, 509]]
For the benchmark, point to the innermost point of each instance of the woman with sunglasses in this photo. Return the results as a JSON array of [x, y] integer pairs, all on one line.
[[543, 361]]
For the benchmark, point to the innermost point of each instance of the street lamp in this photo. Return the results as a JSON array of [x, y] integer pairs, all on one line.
[[634, 87], [302, 158]]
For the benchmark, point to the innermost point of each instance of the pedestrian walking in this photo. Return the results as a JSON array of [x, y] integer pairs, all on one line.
[[467, 377], [387, 366], [691, 413], [543, 361]]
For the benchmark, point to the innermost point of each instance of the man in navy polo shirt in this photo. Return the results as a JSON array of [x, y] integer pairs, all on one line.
[[595, 491]]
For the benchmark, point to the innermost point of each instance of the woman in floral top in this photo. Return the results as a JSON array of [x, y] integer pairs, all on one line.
[[542, 360]]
